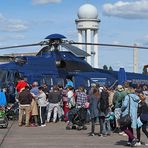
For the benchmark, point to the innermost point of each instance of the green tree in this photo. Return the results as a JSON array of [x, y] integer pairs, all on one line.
[[144, 70], [110, 68], [105, 67]]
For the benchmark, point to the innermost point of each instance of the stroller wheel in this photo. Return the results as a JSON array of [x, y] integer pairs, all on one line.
[[84, 128], [81, 128], [6, 123], [68, 128], [74, 127]]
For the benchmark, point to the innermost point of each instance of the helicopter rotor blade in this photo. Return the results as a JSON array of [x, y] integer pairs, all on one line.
[[6, 58], [27, 45], [75, 50], [110, 45]]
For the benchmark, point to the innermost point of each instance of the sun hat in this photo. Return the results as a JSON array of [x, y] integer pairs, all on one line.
[[120, 88]]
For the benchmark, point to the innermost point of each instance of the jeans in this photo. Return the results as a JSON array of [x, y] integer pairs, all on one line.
[[93, 120], [105, 127], [52, 107]]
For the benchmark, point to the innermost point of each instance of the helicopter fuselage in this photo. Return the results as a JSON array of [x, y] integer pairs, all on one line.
[[54, 67]]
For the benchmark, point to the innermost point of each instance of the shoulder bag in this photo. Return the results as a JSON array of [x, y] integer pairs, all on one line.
[[125, 121]]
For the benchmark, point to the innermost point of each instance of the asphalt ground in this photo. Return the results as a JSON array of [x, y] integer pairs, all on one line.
[[54, 135]]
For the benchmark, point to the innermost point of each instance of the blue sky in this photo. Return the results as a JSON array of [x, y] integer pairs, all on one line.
[[122, 22]]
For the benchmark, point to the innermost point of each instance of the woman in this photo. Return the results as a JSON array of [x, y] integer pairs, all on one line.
[[130, 100], [42, 103], [104, 111], [70, 98], [94, 113], [143, 117]]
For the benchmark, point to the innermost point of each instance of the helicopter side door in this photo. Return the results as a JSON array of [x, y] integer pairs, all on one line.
[[81, 81]]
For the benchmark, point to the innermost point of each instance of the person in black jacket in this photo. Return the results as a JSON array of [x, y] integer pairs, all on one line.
[[54, 98], [143, 117], [24, 99], [104, 110]]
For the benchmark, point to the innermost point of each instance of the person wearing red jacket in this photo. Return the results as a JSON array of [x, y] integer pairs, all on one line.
[[21, 84]]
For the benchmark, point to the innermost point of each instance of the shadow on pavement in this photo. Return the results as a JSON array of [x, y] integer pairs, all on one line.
[[121, 142]]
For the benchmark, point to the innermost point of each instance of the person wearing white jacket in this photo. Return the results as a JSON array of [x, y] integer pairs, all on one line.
[[42, 103]]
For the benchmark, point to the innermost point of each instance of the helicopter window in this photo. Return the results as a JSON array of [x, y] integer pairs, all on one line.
[[17, 76], [60, 64], [47, 79], [3, 78], [10, 76], [77, 66], [21, 60], [59, 81], [3, 75]]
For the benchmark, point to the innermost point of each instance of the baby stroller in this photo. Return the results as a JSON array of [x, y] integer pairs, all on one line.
[[3, 117], [12, 111], [77, 119]]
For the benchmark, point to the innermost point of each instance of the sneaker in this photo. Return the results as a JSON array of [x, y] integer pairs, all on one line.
[[100, 135], [123, 134], [120, 133], [79, 128], [128, 143], [134, 141], [68, 128], [138, 144], [84, 128], [116, 130], [43, 125], [91, 134]]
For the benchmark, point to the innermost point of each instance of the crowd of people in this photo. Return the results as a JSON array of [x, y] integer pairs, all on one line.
[[38, 106]]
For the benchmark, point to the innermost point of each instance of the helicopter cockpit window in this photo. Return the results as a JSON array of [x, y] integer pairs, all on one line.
[[10, 76], [77, 66], [21, 60], [3, 77], [17, 76]]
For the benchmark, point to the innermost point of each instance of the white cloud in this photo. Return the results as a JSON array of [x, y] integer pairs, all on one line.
[[15, 26], [12, 25], [2, 18], [130, 10], [42, 2], [12, 37]]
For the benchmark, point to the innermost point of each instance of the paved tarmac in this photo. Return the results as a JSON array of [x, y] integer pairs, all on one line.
[[54, 135]]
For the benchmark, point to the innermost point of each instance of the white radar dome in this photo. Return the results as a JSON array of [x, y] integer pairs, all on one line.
[[87, 11]]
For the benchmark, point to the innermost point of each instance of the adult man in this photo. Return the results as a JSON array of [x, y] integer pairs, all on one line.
[[117, 103], [25, 99], [54, 99]]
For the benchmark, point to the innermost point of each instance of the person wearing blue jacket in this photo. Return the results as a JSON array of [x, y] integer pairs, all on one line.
[[3, 100], [133, 99]]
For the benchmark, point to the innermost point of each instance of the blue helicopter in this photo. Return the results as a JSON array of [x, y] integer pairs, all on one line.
[[53, 65]]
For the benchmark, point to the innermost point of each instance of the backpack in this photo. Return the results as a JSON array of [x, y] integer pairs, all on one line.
[[104, 101]]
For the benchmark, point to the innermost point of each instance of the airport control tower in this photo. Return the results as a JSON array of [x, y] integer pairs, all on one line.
[[87, 26]]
